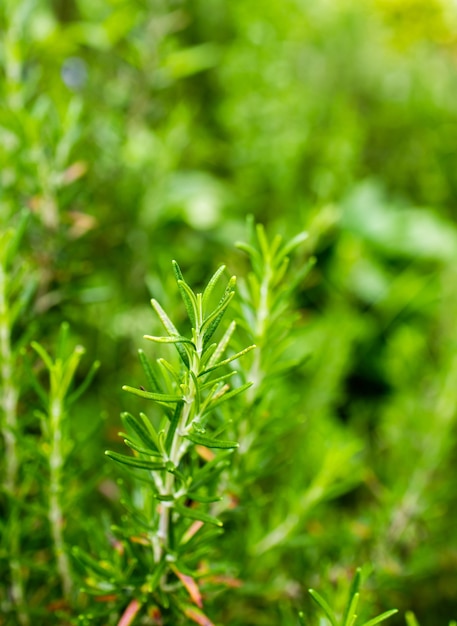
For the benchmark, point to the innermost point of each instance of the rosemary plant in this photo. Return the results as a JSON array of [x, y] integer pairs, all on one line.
[[176, 464], [349, 616], [57, 440], [266, 298], [16, 288]]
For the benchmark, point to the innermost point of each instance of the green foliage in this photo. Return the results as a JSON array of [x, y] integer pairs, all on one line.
[[349, 616], [56, 438], [171, 505], [132, 133]]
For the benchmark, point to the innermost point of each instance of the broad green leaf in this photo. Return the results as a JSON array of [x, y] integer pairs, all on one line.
[[209, 442], [324, 605]]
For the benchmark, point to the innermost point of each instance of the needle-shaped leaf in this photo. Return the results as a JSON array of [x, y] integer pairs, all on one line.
[[250, 250], [228, 396], [222, 345], [211, 284], [210, 442], [293, 243], [216, 381], [223, 302], [350, 615], [380, 618], [263, 241], [154, 578], [15, 237], [170, 370], [45, 357], [143, 429], [190, 585], [197, 616], [148, 370], [150, 395], [173, 425], [301, 619], [204, 499], [133, 461], [171, 330], [178, 339], [186, 511], [69, 369], [139, 448], [187, 294], [226, 361], [320, 601], [212, 322], [355, 586], [210, 469], [411, 619], [77, 393], [102, 569]]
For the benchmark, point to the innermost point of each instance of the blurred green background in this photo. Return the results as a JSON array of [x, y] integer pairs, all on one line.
[[140, 131]]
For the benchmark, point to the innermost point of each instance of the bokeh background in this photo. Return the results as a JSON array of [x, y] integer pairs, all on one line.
[[140, 131]]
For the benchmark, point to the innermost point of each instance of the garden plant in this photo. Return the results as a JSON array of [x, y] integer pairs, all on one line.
[[179, 446]]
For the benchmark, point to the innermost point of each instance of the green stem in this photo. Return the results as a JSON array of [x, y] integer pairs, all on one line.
[[55, 512], [177, 449], [8, 404], [261, 321]]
